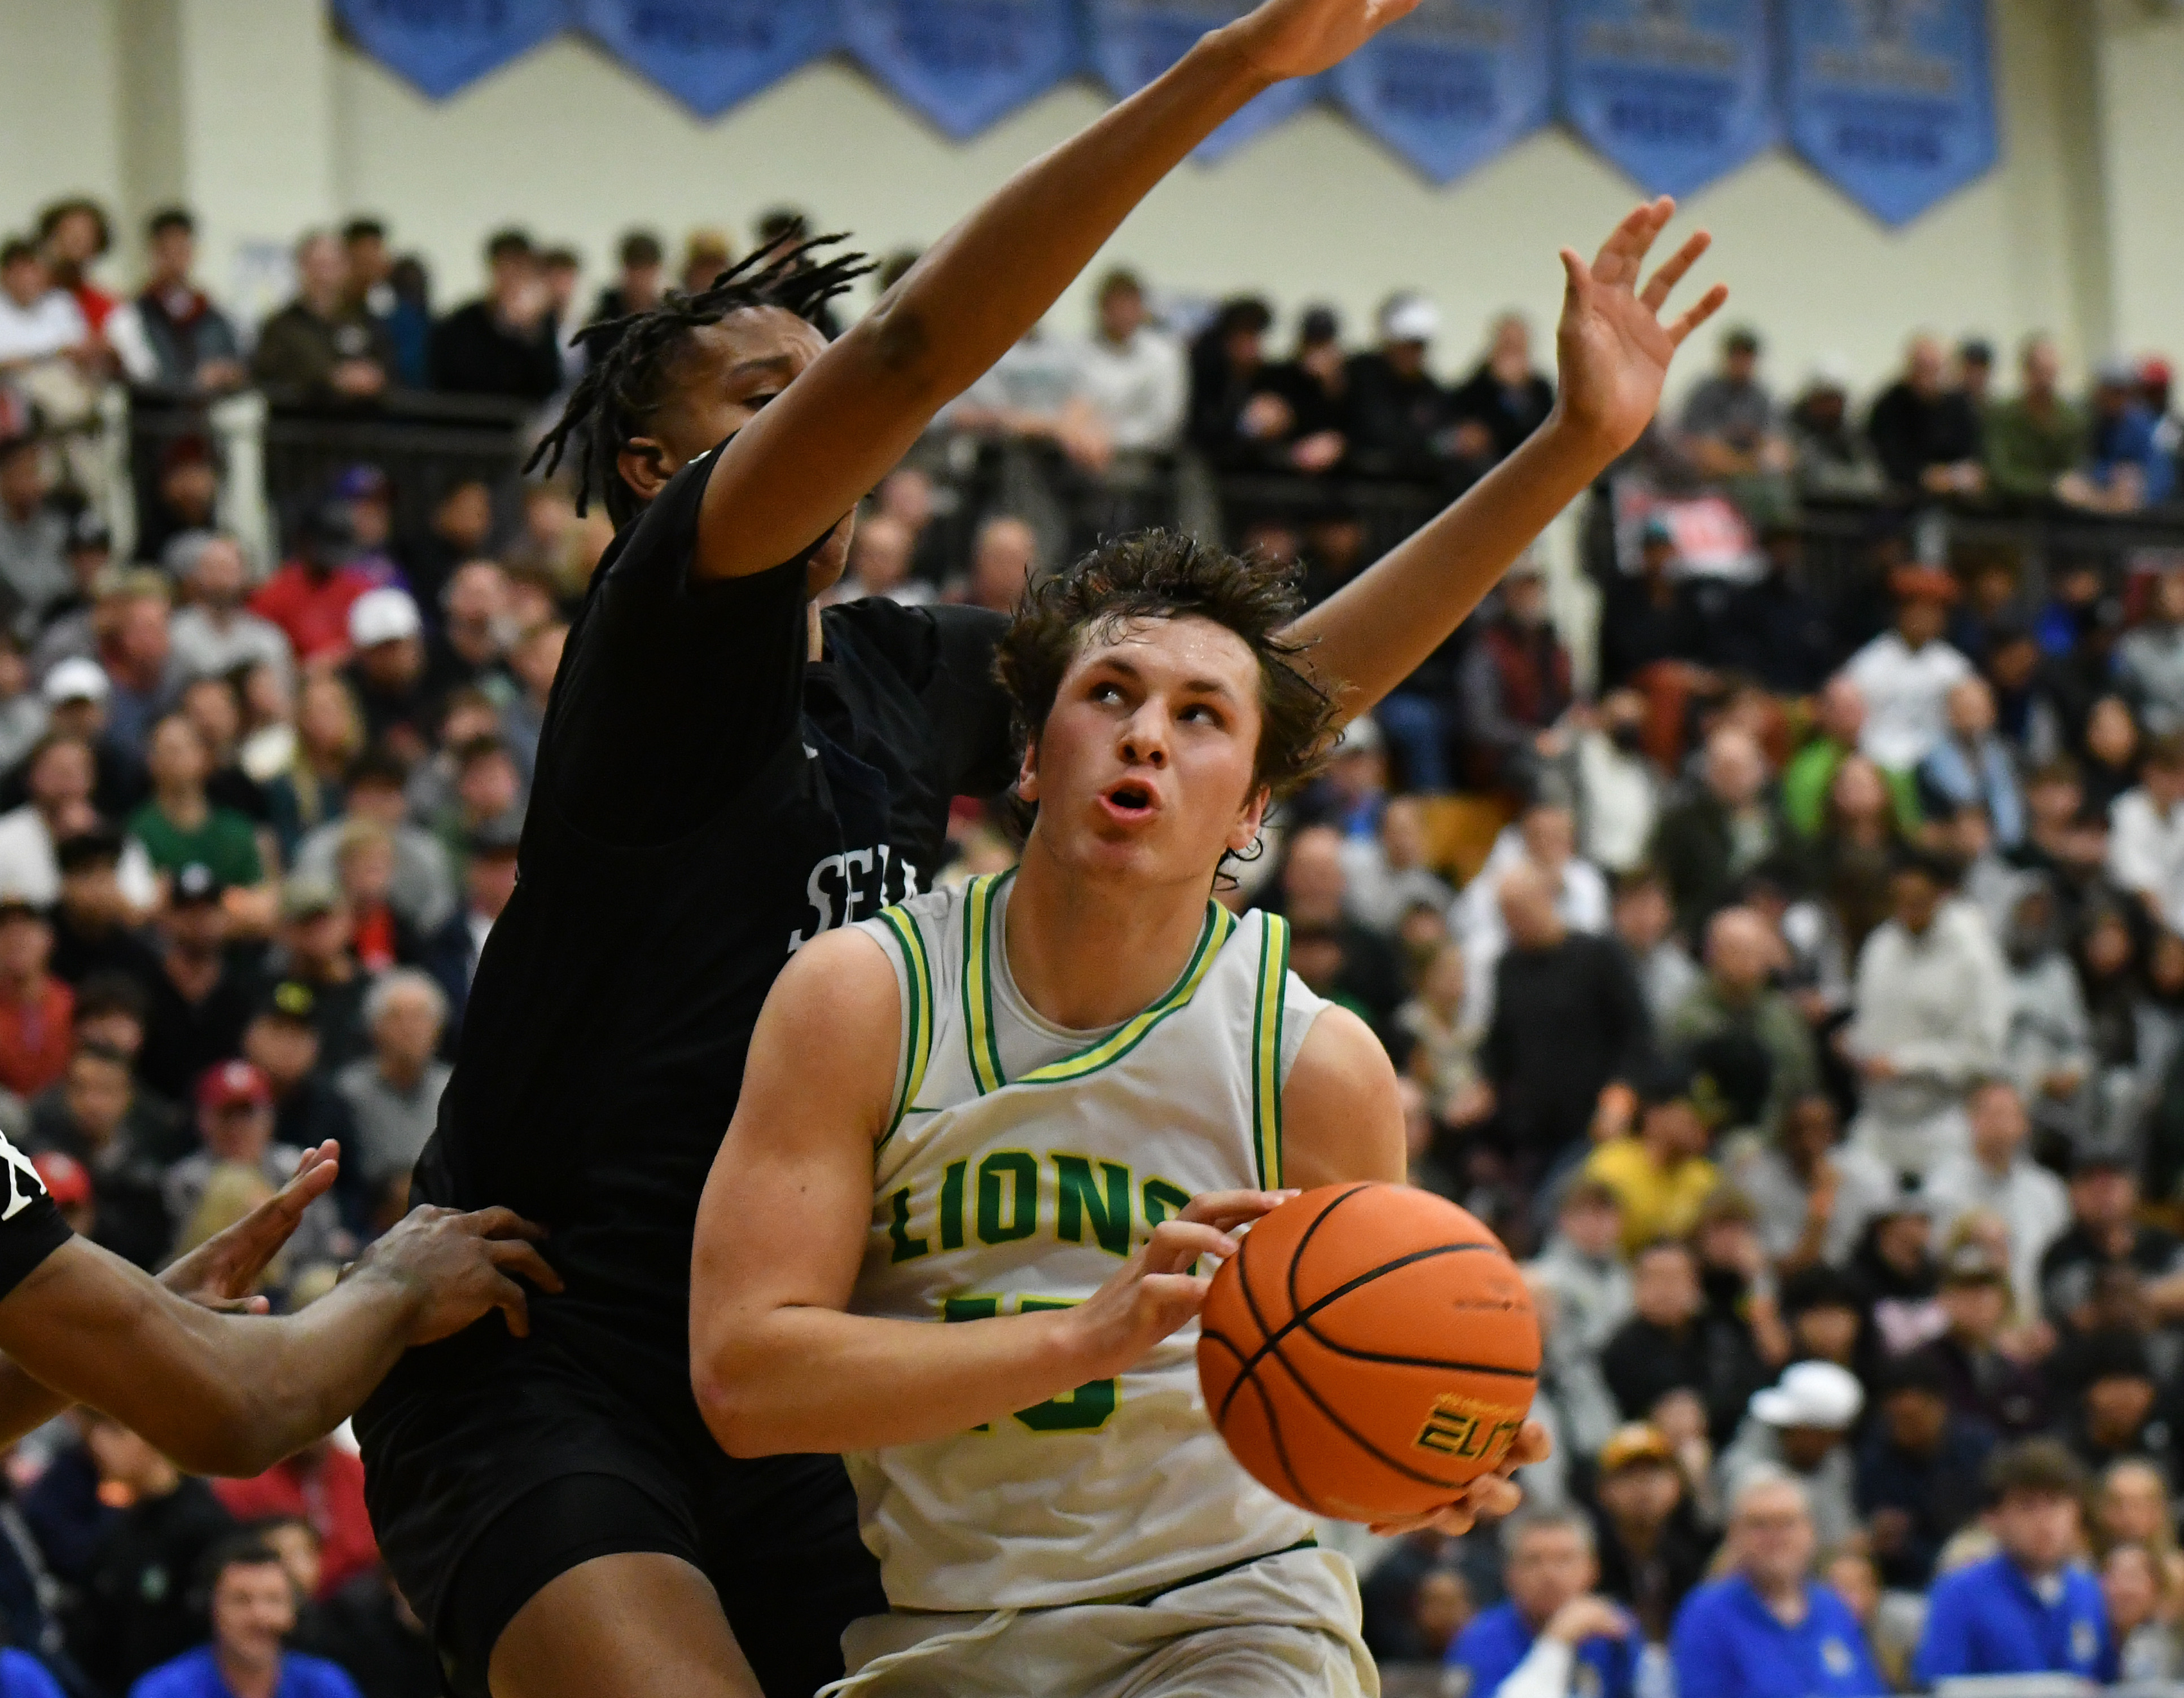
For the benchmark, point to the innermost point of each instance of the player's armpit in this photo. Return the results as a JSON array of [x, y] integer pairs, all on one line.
[[1342, 1114]]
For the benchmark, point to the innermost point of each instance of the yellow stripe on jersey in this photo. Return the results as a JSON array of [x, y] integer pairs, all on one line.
[[978, 943], [1219, 923], [918, 1015], [1267, 1052]]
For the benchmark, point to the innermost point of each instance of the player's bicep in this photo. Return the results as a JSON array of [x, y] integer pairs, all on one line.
[[1342, 1113], [782, 1222]]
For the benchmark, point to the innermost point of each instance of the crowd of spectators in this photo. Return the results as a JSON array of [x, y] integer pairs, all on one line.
[[1810, 1021]]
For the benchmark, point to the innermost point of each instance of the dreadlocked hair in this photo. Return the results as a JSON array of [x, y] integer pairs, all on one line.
[[1168, 574], [632, 358]]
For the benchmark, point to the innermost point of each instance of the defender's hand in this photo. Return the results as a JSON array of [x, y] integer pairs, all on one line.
[[223, 1271], [1611, 349], [1493, 1493], [462, 1267], [1287, 38]]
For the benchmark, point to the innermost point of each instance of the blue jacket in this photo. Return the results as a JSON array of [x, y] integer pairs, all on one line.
[[23, 1676], [1728, 1644], [1987, 1619], [194, 1674], [1491, 1648]]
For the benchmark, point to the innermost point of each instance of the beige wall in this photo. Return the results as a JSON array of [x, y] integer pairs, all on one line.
[[251, 110]]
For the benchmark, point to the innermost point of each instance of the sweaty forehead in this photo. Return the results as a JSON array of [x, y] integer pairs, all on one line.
[[754, 334], [1187, 648]]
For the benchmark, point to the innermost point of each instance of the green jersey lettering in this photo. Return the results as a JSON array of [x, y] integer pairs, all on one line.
[[1079, 1197], [1022, 1171]]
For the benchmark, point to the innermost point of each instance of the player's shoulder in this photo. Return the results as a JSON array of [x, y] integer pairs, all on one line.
[[917, 641]]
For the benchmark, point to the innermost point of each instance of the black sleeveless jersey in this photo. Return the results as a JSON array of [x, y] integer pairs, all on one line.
[[707, 801]]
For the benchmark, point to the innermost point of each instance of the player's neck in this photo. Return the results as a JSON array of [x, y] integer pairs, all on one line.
[[1086, 955]]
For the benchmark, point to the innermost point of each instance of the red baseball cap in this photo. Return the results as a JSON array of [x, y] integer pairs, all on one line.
[[232, 1084], [65, 1181]]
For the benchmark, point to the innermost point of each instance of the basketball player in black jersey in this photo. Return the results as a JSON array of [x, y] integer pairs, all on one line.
[[724, 774]]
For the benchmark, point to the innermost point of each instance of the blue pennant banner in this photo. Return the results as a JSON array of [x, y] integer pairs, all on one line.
[[1453, 84], [442, 45], [1892, 100], [964, 64], [711, 54], [1134, 41], [1676, 92]]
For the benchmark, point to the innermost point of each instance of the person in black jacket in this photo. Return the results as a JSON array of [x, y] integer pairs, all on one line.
[[1925, 433], [505, 343], [1570, 1033], [1400, 417], [1503, 400]]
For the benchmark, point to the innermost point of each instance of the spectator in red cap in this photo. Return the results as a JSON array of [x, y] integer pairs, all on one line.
[[1907, 672], [35, 1007], [235, 1122]]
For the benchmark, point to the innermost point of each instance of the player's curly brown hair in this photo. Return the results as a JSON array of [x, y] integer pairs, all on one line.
[[1165, 575]]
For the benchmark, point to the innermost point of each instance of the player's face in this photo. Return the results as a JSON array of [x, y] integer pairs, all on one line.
[[1145, 766], [726, 372]]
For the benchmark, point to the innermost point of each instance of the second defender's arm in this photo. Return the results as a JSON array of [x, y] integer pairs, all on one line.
[[1614, 354], [776, 1365], [812, 454], [225, 1393]]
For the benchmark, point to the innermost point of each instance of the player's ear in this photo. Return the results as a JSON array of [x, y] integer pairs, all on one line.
[[1246, 832], [1027, 771], [642, 464]]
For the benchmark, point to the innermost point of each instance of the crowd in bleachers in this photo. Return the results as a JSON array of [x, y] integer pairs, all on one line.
[[1793, 975]]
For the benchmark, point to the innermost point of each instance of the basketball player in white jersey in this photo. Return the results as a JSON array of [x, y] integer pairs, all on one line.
[[1028, 1107]]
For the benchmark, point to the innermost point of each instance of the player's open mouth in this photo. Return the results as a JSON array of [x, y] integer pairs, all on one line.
[[1130, 801]]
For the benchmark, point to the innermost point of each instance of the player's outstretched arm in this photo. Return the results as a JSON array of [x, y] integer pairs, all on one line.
[[1342, 1121], [230, 1393], [1613, 351], [220, 1273], [812, 454], [776, 1364]]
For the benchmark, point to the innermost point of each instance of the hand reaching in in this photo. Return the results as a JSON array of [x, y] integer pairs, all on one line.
[[223, 1271], [1612, 348], [1288, 38]]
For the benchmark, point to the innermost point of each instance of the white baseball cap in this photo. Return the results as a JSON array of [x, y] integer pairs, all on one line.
[[76, 680], [383, 615], [1811, 1395], [1410, 318]]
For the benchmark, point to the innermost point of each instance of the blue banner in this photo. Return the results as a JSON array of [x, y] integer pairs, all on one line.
[[964, 64], [711, 54], [1134, 41], [1676, 92], [1892, 100], [442, 45], [1453, 84]]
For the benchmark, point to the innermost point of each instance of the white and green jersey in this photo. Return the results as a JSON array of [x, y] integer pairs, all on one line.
[[1023, 1165]]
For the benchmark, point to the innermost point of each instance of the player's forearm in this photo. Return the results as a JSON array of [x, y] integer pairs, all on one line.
[[800, 1379], [1378, 630], [25, 1403]]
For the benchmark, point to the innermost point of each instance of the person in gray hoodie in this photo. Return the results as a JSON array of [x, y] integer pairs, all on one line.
[[2150, 659]]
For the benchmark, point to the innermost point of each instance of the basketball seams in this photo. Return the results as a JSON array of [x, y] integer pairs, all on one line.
[[1267, 1408]]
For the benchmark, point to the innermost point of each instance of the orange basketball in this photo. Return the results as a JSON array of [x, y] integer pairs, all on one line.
[[1370, 1351]]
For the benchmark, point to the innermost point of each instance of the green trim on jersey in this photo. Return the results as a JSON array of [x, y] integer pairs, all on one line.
[[1110, 1049], [978, 981], [1267, 1052], [918, 971]]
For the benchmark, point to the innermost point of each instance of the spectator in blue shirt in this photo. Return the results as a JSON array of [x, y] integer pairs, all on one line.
[[1767, 1630], [2030, 1609], [254, 1610], [1555, 1635], [2128, 466]]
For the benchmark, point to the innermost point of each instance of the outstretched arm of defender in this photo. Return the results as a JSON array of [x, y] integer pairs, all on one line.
[[776, 1364], [226, 1393], [1342, 1121], [813, 453], [1612, 351]]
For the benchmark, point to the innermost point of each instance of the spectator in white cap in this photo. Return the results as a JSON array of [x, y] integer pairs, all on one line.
[[75, 693], [1401, 423], [1801, 1426], [386, 670], [216, 634]]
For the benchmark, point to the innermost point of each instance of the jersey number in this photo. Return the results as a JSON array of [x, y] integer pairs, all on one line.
[[1084, 1410]]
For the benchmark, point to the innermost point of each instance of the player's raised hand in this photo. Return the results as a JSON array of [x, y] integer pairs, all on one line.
[[223, 1271], [1151, 1294], [1493, 1493], [462, 1267], [1612, 348], [1287, 38]]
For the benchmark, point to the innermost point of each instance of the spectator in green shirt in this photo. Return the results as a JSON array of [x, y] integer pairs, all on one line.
[[179, 826], [2032, 441], [1838, 717]]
